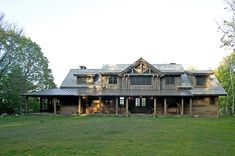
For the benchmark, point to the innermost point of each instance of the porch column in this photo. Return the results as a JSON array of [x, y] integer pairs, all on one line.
[[100, 104], [182, 106], [26, 105], [127, 112], [165, 108], [79, 105], [190, 106], [116, 105], [54, 103], [40, 104], [155, 107]]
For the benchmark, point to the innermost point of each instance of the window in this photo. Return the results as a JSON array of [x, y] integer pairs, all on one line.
[[121, 100], [143, 102], [200, 80], [212, 101], [170, 80], [141, 80], [81, 80], [85, 80], [113, 79], [137, 102]]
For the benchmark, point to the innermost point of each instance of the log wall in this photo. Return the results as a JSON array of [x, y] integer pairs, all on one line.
[[202, 106]]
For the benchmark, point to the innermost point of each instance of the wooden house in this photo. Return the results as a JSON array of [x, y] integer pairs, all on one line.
[[138, 88]]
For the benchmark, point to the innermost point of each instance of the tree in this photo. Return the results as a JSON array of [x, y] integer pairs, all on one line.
[[191, 68], [227, 28], [224, 74], [23, 67]]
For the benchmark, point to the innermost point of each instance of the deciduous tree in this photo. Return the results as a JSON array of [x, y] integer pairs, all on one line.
[[227, 28], [23, 67]]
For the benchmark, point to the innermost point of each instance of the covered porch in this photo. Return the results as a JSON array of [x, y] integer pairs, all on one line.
[[90, 101]]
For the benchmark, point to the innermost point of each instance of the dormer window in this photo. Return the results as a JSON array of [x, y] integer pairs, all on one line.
[[113, 79], [200, 80], [170, 80], [85, 80], [81, 80]]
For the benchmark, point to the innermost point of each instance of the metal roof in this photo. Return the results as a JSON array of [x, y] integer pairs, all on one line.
[[69, 86], [162, 67], [200, 72], [71, 81], [54, 92], [213, 88], [106, 92]]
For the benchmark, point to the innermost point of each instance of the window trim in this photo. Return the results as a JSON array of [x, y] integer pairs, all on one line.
[[113, 79]]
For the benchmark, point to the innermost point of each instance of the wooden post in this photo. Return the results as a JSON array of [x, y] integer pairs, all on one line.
[[116, 105], [155, 107], [158, 83], [182, 106], [100, 104], [165, 108], [190, 106], [40, 104], [79, 105], [26, 105], [54, 102], [127, 112]]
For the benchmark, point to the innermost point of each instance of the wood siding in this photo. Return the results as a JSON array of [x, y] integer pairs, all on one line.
[[170, 86], [203, 107], [105, 83]]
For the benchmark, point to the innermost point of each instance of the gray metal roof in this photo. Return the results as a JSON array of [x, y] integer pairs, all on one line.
[[200, 72], [115, 67], [169, 68], [106, 92], [185, 81], [69, 86], [213, 88], [165, 68], [71, 81], [54, 92]]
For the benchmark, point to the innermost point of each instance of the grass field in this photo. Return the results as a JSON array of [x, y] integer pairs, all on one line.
[[76, 135]]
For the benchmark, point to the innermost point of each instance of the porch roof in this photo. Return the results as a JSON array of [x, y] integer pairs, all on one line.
[[106, 92]]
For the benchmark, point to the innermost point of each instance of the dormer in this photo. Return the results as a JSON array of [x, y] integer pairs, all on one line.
[[86, 76], [85, 79], [199, 78]]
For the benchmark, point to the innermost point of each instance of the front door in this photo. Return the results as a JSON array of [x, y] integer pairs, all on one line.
[[141, 105]]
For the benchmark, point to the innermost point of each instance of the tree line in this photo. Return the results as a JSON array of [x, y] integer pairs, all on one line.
[[23, 68]]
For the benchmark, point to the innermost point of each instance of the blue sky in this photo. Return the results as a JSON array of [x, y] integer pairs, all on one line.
[[95, 32]]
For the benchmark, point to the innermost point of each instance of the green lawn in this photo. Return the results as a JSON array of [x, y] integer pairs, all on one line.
[[76, 135]]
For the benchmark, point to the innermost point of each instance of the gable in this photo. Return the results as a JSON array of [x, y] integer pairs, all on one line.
[[140, 66]]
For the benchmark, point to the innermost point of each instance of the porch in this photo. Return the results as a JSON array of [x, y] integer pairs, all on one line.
[[125, 105]]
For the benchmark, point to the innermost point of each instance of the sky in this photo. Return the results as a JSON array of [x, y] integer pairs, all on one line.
[[72, 33]]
